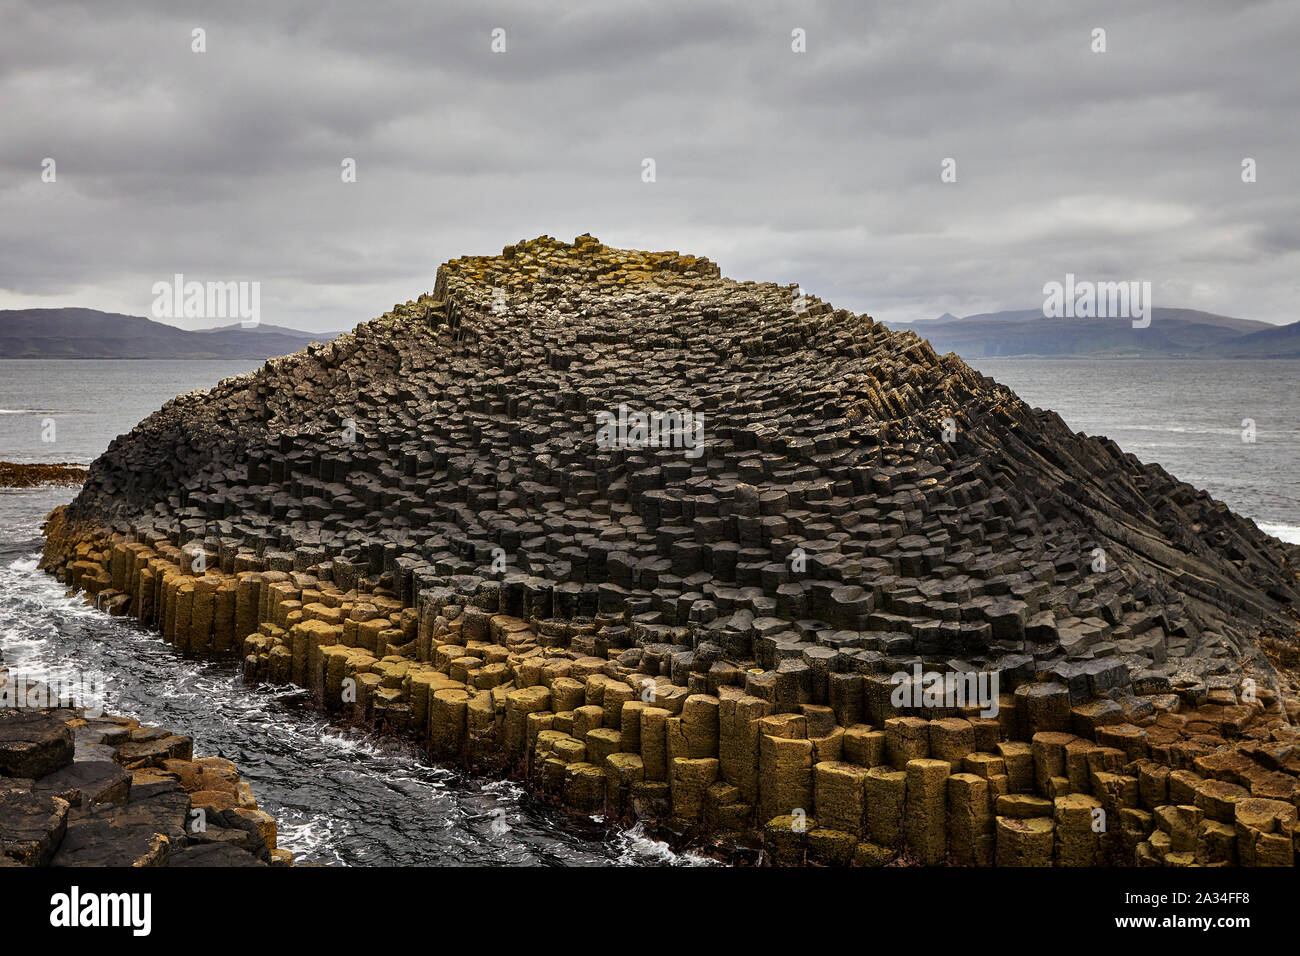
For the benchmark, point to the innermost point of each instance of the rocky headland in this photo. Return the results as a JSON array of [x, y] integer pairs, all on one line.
[[717, 555]]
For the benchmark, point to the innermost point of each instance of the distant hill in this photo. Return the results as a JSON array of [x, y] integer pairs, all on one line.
[[91, 334], [280, 329], [1277, 341], [1173, 333]]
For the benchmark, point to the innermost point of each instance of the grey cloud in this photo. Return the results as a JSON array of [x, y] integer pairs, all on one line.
[[820, 168]]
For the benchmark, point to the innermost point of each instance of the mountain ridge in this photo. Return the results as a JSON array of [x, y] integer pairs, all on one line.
[[81, 333], [1173, 333]]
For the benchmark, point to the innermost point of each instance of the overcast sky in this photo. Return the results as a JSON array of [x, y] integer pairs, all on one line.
[[821, 168]]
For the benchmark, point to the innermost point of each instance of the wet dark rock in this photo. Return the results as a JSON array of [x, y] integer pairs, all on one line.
[[152, 752], [141, 833], [88, 782], [96, 812], [18, 475], [212, 854], [33, 743], [31, 825]]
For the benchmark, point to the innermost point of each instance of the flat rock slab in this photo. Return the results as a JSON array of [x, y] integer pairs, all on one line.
[[88, 782], [213, 854], [98, 842], [99, 731], [31, 825], [34, 743], [244, 839], [142, 833], [150, 783], [94, 752], [153, 752]]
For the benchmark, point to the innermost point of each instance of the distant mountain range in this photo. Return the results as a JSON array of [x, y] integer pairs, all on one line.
[[91, 334], [1173, 333]]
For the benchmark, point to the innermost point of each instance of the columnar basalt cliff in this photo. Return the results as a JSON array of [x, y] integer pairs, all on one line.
[[662, 544]]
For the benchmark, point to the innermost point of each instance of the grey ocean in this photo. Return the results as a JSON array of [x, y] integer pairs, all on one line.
[[1187, 416], [394, 807]]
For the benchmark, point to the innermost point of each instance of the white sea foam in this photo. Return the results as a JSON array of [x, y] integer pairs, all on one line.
[[635, 847], [368, 746], [1284, 532], [310, 835]]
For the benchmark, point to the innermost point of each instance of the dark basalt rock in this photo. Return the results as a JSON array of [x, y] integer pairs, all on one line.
[[213, 854], [31, 825], [440, 527], [98, 813], [34, 743], [151, 753], [151, 783], [141, 833], [88, 782], [862, 491]]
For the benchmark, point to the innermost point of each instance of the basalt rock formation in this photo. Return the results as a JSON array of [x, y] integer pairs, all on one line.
[[674, 546], [99, 790]]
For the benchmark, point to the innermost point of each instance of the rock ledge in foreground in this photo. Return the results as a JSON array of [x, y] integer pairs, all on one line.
[[106, 791]]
